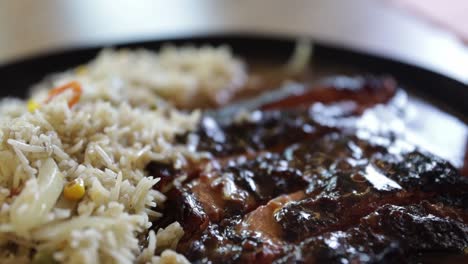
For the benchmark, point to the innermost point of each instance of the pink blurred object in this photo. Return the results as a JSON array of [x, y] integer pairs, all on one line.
[[451, 14]]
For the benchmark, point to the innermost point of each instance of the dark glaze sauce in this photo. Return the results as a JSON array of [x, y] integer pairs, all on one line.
[[301, 180]]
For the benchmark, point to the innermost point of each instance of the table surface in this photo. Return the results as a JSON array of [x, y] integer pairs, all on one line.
[[29, 27]]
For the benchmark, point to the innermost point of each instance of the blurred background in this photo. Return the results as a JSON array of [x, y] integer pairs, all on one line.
[[428, 33]]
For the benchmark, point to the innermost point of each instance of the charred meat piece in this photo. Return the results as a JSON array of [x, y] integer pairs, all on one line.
[[365, 91], [254, 238], [388, 235], [265, 130], [244, 184], [266, 176], [184, 206]]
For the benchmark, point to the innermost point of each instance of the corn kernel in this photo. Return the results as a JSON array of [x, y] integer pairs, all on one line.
[[32, 105], [74, 190], [81, 70]]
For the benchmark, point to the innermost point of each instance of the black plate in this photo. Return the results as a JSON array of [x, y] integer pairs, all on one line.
[[453, 95]]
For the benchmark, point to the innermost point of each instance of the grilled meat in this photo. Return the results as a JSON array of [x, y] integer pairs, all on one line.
[[308, 184]]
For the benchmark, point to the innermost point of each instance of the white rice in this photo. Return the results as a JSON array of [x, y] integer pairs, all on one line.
[[123, 120]]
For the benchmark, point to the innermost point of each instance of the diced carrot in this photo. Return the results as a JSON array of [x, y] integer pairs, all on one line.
[[74, 86]]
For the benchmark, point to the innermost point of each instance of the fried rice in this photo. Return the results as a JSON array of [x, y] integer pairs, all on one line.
[[128, 113]]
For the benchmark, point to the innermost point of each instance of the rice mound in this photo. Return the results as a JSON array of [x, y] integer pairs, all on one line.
[[124, 120]]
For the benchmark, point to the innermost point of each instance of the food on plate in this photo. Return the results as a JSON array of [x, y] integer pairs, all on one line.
[[159, 157]]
